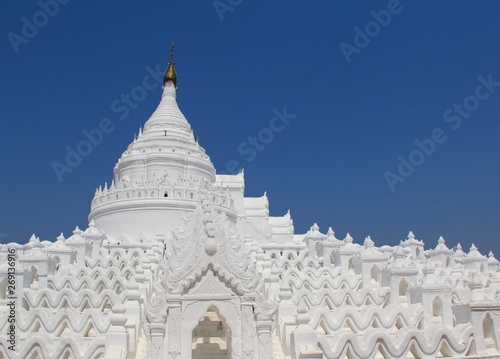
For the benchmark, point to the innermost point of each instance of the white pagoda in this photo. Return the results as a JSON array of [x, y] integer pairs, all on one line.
[[176, 263]]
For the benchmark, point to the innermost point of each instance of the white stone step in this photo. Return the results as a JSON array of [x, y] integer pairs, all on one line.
[[213, 340], [209, 338], [209, 346], [142, 348], [277, 348]]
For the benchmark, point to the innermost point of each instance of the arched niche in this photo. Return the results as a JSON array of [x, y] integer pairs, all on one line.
[[489, 334], [403, 291], [375, 274], [351, 269], [437, 310]]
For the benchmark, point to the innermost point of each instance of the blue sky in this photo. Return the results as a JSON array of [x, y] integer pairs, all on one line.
[[357, 112]]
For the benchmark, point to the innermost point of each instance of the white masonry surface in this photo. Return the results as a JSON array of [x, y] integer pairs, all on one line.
[[177, 263]]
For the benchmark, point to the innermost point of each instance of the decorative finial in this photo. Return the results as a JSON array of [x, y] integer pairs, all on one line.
[[369, 242], [170, 75], [348, 238]]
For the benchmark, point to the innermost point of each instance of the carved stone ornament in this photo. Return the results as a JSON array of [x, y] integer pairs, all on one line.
[[174, 352], [206, 239]]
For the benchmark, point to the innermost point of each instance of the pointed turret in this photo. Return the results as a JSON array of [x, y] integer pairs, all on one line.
[[170, 75]]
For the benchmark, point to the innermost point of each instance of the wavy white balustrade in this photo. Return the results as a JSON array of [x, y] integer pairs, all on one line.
[[385, 318], [429, 344]]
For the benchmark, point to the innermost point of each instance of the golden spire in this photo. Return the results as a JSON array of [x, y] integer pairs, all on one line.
[[170, 75]]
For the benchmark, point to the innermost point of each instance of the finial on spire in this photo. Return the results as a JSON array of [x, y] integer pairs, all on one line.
[[170, 75]]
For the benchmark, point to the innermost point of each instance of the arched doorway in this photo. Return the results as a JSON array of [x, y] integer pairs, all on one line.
[[211, 338]]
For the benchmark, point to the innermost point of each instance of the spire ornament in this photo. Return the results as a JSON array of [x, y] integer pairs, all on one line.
[[170, 75]]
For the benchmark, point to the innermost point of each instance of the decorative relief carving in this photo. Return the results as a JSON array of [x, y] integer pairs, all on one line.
[[264, 309], [207, 239], [156, 310], [167, 126], [248, 350], [157, 346], [174, 351], [210, 285], [265, 345]]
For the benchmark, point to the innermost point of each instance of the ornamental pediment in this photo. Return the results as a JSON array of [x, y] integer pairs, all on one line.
[[209, 286], [204, 242]]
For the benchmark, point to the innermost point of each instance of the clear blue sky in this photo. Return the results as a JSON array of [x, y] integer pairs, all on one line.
[[353, 119]]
